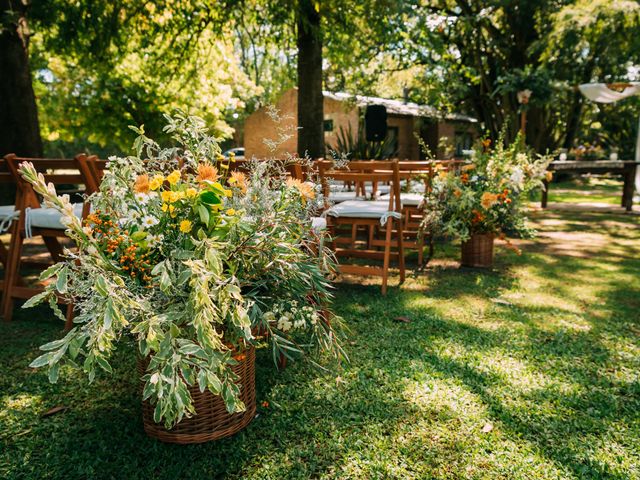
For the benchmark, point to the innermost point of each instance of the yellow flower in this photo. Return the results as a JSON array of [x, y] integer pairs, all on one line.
[[185, 226], [191, 192], [239, 179], [169, 208], [466, 168], [228, 192], [174, 177], [156, 182], [166, 196], [169, 197], [231, 211]]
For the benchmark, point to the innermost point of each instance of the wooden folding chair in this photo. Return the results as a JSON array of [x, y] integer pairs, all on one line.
[[369, 214], [34, 220], [7, 215]]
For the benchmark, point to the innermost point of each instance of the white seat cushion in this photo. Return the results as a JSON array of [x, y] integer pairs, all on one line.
[[319, 223], [339, 197], [6, 211], [408, 199], [50, 217], [363, 209], [7, 215]]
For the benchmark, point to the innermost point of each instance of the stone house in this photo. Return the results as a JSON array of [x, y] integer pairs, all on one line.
[[342, 110]]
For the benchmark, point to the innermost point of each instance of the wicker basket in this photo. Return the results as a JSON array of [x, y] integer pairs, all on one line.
[[211, 421], [478, 251]]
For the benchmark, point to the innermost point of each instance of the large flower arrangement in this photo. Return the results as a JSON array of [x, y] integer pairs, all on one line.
[[486, 195], [193, 261]]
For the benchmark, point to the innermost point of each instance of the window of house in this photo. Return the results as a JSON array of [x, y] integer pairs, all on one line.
[[392, 137], [463, 141], [328, 125]]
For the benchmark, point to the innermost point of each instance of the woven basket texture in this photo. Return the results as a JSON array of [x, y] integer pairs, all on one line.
[[478, 251], [211, 421]]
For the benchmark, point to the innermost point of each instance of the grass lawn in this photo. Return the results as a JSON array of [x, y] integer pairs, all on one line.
[[591, 189], [529, 371]]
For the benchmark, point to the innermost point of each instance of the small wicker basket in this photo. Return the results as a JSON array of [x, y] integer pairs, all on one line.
[[478, 251], [211, 421]]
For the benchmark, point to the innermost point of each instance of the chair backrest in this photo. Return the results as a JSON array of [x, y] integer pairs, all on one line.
[[360, 172], [59, 171], [293, 169]]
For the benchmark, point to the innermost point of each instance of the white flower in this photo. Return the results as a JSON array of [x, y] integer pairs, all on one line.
[[66, 220], [314, 318], [149, 221], [300, 323], [284, 323], [87, 230], [154, 240], [142, 198], [269, 317], [517, 177], [91, 250]]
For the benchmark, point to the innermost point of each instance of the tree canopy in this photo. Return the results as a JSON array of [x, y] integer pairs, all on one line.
[[98, 65]]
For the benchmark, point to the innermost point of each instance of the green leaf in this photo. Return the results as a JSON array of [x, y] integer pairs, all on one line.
[[51, 271], [104, 364], [209, 198], [53, 372], [56, 344], [36, 299], [101, 286], [204, 214], [42, 360], [108, 315], [61, 283]]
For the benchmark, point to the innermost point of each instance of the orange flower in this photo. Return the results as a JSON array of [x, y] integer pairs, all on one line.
[[488, 199], [477, 217], [239, 179], [466, 168], [265, 404], [464, 178], [142, 184], [457, 193], [305, 189], [207, 172], [548, 176]]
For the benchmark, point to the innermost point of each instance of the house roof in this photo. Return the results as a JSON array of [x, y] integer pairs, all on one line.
[[398, 107]]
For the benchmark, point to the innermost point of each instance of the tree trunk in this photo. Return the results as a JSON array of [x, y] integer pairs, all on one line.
[[310, 98], [19, 127]]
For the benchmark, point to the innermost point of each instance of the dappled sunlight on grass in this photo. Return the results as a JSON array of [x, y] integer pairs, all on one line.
[[530, 370]]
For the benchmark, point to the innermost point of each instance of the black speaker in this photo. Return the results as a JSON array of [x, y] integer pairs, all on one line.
[[375, 123]]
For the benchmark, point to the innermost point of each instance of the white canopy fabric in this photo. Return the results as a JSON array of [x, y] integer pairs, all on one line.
[[601, 93]]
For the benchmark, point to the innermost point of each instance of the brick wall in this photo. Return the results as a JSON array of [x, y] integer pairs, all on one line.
[[259, 126]]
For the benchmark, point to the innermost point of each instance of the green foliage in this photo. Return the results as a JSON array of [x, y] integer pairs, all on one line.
[[356, 147]]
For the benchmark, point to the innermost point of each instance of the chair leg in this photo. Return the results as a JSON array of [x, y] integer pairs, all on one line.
[[54, 247], [387, 256], [11, 273], [68, 324], [401, 250]]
